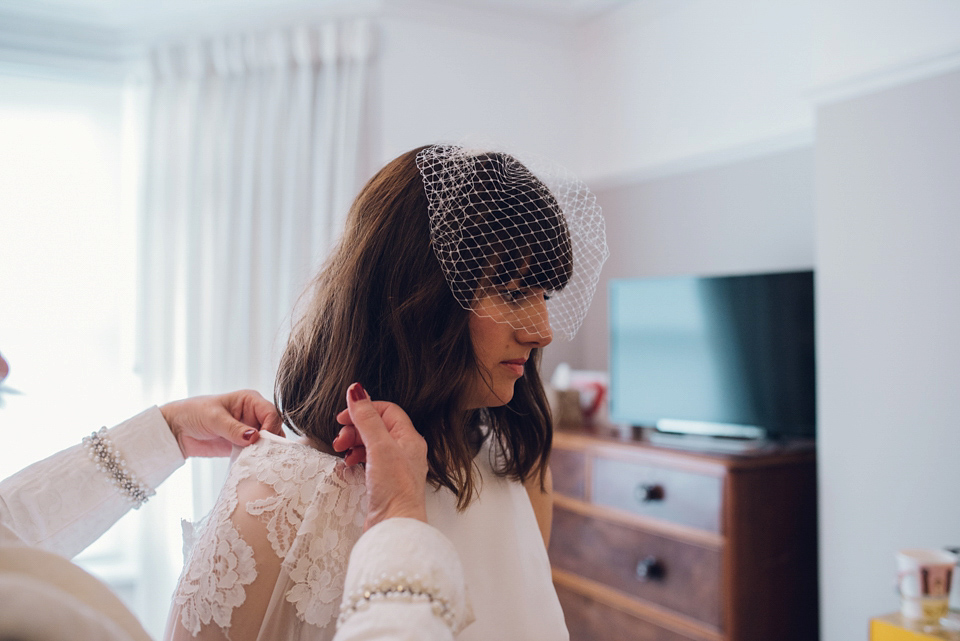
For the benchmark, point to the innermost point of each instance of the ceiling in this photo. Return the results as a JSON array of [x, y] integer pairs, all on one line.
[[124, 14], [100, 36]]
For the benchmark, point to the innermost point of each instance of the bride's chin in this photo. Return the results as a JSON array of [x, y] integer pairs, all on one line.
[[488, 394], [504, 398], [493, 399]]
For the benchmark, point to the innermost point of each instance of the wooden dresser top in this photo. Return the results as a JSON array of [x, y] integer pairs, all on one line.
[[773, 455]]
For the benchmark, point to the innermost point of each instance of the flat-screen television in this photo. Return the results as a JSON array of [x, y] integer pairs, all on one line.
[[720, 351]]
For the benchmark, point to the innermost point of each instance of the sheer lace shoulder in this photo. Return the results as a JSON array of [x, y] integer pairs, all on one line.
[[272, 555]]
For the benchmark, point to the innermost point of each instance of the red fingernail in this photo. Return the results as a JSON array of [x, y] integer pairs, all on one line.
[[357, 393], [249, 434]]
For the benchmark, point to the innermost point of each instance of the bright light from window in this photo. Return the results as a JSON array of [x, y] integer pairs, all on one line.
[[67, 265], [67, 278]]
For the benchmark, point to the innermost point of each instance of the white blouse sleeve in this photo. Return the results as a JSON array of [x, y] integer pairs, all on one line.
[[63, 503], [404, 582]]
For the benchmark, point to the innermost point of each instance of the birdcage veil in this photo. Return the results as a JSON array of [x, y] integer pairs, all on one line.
[[501, 228]]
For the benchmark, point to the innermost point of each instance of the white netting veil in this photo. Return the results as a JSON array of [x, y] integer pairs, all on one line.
[[507, 231]]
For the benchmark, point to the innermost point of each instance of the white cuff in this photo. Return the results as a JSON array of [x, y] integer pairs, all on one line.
[[147, 445], [63, 503], [407, 560]]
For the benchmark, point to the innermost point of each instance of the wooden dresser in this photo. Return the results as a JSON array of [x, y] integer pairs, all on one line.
[[658, 544]]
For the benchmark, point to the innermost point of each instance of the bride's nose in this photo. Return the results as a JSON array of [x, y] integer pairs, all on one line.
[[535, 330]]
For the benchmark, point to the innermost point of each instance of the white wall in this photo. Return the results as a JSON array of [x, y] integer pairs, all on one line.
[[888, 305], [857, 38], [691, 78], [448, 73], [697, 79]]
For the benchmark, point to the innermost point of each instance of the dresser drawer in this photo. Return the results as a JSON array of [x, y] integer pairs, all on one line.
[[617, 556], [569, 470], [589, 620], [678, 496]]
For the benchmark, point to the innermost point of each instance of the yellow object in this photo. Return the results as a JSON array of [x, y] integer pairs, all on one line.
[[893, 627]]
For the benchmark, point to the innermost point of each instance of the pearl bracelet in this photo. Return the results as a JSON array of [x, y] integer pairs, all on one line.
[[396, 588], [104, 454]]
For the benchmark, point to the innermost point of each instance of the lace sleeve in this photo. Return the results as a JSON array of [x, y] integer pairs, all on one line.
[[271, 557]]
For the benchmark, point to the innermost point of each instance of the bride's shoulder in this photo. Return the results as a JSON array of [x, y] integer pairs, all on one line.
[[277, 476], [270, 446], [280, 462]]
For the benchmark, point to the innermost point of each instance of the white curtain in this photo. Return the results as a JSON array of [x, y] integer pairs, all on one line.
[[252, 155], [252, 148]]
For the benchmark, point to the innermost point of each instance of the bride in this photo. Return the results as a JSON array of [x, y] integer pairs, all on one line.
[[436, 298]]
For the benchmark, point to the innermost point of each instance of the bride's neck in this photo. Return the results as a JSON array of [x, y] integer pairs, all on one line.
[[316, 444]]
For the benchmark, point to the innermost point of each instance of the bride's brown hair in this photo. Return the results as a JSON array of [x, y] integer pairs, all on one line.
[[382, 314]]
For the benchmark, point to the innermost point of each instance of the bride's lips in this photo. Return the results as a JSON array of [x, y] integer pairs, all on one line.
[[515, 365]]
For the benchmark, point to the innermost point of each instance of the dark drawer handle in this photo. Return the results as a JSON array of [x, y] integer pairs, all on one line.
[[647, 492], [650, 569]]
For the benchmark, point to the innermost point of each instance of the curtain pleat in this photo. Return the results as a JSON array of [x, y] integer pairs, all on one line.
[[250, 161], [251, 164]]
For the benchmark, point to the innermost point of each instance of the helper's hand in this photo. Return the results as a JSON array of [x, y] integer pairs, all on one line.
[[381, 435], [212, 425]]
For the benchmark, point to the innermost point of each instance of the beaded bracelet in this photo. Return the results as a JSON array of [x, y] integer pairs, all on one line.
[[396, 588], [108, 460]]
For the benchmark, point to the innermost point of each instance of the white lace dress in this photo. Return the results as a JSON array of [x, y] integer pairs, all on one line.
[[270, 560]]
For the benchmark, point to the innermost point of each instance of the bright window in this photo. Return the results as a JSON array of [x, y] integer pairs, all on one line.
[[67, 279]]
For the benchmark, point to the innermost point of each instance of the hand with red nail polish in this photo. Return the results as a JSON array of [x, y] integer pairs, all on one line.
[[381, 435], [212, 425]]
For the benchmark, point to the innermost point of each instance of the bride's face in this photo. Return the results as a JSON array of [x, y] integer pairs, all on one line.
[[501, 349]]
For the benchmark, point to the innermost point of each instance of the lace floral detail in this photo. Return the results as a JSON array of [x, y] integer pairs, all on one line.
[[213, 585], [313, 508], [312, 524], [295, 481], [318, 586], [220, 563]]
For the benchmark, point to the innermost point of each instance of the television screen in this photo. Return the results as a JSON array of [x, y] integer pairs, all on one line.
[[726, 350]]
